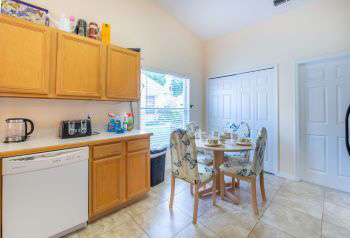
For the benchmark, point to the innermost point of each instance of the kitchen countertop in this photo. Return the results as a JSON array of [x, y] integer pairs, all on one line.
[[50, 141]]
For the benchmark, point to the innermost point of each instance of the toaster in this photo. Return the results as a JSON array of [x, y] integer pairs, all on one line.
[[75, 128]]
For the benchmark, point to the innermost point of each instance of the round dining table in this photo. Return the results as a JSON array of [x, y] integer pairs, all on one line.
[[218, 160]]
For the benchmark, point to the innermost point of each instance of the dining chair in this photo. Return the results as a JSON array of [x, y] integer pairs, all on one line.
[[184, 166], [242, 130], [247, 170]]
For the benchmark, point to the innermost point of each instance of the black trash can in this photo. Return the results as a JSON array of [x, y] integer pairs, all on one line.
[[158, 155]]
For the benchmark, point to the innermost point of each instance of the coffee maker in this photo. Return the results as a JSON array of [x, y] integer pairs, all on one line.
[[17, 129]]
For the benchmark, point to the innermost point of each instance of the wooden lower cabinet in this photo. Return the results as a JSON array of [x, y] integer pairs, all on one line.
[[108, 183], [118, 175], [138, 170]]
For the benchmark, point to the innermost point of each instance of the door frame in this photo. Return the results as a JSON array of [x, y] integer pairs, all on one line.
[[297, 96], [274, 68]]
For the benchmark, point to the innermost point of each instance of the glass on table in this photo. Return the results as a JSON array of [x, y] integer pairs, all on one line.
[[215, 134], [203, 135]]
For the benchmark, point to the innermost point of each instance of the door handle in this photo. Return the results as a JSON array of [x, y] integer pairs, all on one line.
[[347, 142]]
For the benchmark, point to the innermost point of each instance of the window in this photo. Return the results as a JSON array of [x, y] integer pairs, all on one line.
[[164, 105]]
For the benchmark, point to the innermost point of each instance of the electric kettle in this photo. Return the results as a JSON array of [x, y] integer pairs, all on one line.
[[17, 129]]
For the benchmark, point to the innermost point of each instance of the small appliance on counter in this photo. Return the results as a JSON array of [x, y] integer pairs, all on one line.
[[17, 129], [75, 128]]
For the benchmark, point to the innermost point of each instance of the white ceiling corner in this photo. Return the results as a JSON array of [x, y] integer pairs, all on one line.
[[209, 19]]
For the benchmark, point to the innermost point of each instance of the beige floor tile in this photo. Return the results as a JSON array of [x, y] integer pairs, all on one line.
[[333, 231], [185, 202], [163, 222], [309, 206], [291, 221], [228, 222], [97, 228], [338, 198], [105, 224], [152, 200], [163, 189], [303, 189], [336, 215], [263, 230], [273, 180], [196, 231], [128, 229], [245, 204]]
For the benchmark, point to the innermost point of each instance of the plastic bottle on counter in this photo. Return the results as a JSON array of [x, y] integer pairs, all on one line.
[[111, 123], [125, 123], [118, 126], [130, 121]]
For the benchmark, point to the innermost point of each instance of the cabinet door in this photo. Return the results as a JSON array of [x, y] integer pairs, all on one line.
[[123, 74], [24, 57], [138, 170], [108, 183], [79, 66]]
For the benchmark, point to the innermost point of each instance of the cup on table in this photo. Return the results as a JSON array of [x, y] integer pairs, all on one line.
[[215, 134], [228, 135], [204, 135], [213, 140], [222, 139]]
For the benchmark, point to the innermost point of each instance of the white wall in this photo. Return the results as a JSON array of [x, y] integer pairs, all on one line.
[[166, 45], [319, 28]]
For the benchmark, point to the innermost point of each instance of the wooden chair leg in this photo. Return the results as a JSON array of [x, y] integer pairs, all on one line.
[[254, 201], [238, 184], [191, 189], [195, 209], [262, 186], [214, 191], [233, 183], [222, 185], [172, 192]]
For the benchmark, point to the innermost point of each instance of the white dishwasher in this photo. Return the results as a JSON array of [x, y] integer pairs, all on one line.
[[45, 194]]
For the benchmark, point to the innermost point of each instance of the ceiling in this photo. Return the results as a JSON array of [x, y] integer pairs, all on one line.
[[209, 19]]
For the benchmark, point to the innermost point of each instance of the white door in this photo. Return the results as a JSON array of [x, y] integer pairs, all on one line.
[[324, 99], [248, 97]]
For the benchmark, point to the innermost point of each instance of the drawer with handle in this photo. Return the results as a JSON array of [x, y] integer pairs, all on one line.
[[136, 145], [101, 151]]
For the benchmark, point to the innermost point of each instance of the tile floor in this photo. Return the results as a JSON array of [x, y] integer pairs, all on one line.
[[293, 209]]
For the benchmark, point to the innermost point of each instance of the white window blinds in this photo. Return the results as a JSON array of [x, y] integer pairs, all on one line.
[[164, 105]]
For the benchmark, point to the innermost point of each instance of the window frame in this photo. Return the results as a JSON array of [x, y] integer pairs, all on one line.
[[187, 106]]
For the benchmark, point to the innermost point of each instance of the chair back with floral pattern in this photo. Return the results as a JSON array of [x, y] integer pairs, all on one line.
[[184, 155], [242, 130], [259, 153], [192, 127]]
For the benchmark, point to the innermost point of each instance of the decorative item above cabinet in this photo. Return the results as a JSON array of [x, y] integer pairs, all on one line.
[[43, 62]]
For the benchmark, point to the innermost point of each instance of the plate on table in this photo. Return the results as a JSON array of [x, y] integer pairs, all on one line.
[[244, 143], [212, 145]]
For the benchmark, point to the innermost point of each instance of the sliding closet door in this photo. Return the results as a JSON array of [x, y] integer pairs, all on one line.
[[248, 97]]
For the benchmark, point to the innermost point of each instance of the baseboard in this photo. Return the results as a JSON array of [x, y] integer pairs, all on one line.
[[287, 176]]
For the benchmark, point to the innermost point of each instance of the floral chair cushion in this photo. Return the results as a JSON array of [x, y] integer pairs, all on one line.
[[204, 157], [205, 172], [242, 130], [238, 166], [184, 163], [243, 167]]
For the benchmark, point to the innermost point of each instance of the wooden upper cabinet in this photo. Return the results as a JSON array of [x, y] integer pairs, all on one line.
[[24, 57], [123, 74], [79, 66]]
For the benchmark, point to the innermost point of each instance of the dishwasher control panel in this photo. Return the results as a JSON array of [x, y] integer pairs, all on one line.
[[26, 163]]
